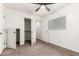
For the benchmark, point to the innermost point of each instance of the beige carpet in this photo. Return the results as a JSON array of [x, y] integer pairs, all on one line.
[[39, 49]]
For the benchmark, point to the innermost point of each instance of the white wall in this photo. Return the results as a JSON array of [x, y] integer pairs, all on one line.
[[33, 28], [15, 19], [39, 28], [68, 38]]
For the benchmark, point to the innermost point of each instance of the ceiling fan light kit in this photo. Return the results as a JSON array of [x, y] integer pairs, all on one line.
[[43, 5]]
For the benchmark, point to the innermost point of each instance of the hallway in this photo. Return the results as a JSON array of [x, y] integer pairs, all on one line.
[[39, 49]]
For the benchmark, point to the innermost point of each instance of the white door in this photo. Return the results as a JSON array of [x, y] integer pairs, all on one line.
[[11, 38], [2, 34], [45, 30], [1, 39], [2, 28]]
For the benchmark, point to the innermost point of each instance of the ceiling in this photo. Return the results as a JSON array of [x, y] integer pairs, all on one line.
[[30, 8]]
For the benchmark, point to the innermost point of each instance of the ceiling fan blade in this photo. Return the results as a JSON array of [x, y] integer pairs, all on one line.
[[38, 8], [43, 3], [37, 3], [47, 8]]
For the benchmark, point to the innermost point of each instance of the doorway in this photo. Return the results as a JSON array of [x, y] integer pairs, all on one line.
[[38, 30], [42, 30], [27, 30], [17, 36]]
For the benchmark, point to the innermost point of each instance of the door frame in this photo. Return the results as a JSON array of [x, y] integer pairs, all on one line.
[[27, 19]]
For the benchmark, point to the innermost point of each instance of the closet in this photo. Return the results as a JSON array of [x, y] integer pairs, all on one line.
[[27, 24]]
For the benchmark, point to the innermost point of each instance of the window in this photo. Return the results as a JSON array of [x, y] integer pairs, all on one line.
[[57, 24]]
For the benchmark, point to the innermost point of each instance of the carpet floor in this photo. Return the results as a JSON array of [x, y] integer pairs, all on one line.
[[38, 49]]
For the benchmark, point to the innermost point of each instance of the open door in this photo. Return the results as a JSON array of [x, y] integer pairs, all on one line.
[[11, 38], [2, 38], [45, 30], [2, 28]]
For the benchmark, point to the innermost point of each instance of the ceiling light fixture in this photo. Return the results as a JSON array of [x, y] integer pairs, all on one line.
[[42, 6]]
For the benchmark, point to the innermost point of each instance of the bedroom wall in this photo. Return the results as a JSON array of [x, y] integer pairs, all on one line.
[[68, 38], [39, 28], [15, 19]]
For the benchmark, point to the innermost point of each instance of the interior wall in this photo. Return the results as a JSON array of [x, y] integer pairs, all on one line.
[[42, 28], [68, 38], [39, 28], [33, 28], [15, 19]]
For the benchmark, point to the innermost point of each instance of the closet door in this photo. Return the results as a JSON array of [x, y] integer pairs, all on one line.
[[11, 38]]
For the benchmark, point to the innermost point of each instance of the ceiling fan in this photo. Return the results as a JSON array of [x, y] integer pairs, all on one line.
[[43, 4]]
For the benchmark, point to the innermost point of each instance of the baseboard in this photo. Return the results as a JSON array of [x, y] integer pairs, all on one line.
[[65, 50], [43, 41]]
